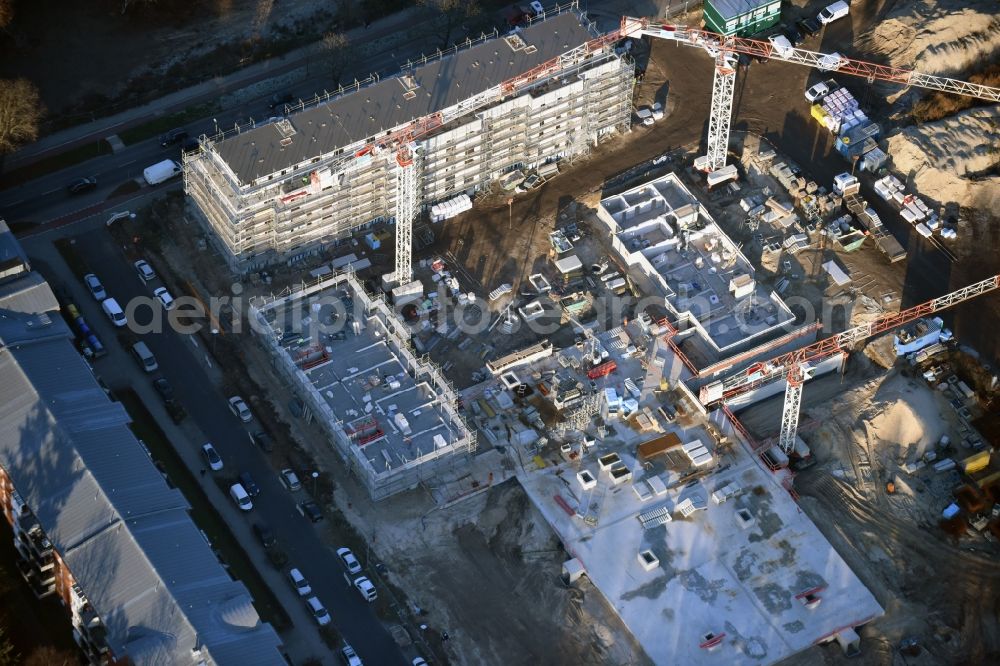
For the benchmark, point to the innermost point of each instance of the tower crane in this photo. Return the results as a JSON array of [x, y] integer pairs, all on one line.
[[726, 49], [797, 365]]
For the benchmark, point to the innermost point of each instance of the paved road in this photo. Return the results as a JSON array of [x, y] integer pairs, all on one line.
[[179, 361]]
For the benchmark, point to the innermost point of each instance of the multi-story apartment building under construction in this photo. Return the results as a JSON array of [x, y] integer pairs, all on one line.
[[548, 91]]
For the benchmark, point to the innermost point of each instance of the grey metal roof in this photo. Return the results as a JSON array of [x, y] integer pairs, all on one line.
[[11, 252], [126, 536], [30, 293], [728, 9], [382, 106]]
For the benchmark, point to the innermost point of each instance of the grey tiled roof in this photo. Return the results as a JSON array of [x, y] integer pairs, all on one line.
[[126, 536], [383, 105]]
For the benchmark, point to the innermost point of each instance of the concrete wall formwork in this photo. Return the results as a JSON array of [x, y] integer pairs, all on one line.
[[299, 211]]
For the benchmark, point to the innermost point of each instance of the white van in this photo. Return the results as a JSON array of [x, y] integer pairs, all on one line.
[[114, 312], [144, 356], [240, 496], [831, 13], [161, 171]]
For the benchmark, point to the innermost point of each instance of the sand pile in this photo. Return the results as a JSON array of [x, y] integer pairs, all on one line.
[[943, 159], [937, 36], [910, 416]]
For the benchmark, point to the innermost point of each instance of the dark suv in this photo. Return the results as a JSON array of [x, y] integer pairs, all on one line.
[[175, 135], [82, 185], [264, 535]]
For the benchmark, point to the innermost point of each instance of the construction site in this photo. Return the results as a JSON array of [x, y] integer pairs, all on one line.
[[711, 386]]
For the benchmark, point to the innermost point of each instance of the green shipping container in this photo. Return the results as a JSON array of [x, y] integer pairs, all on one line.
[[741, 17]]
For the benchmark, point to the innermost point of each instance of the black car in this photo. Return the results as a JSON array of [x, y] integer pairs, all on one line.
[[165, 390], [264, 535], [173, 136], [311, 510], [249, 484], [793, 35], [263, 440], [82, 185], [190, 144], [809, 26], [280, 99]]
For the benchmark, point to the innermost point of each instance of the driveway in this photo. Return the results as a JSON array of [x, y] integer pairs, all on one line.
[[181, 359]]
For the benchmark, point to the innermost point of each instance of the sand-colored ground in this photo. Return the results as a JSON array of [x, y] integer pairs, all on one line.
[[944, 159]]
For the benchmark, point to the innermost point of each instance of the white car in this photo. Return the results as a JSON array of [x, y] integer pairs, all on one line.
[[145, 271], [299, 582], [95, 287], [165, 298], [817, 92], [318, 611], [366, 588], [350, 657], [212, 456], [241, 496], [290, 480], [351, 562], [240, 409], [419, 661]]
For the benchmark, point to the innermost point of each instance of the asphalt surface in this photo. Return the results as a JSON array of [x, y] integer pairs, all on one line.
[[178, 359]]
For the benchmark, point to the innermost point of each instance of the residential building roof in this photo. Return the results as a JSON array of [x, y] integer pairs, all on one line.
[[389, 104], [127, 537]]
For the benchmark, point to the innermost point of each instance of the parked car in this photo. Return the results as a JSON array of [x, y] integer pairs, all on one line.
[[419, 661], [809, 26], [299, 582], [145, 271], [241, 496], [817, 92], [144, 357], [290, 480], [175, 135], [280, 99], [351, 562], [831, 62], [264, 535], [781, 45], [263, 440], [366, 588], [190, 144], [114, 312], [95, 287], [212, 456], [793, 35], [319, 612], [349, 656], [164, 388], [81, 185], [251, 486], [240, 409], [164, 297], [832, 12], [311, 510]]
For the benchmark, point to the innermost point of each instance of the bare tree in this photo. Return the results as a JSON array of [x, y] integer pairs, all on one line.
[[452, 14], [6, 13], [20, 110], [337, 54]]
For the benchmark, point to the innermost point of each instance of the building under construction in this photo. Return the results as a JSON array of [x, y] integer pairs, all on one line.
[[548, 91]]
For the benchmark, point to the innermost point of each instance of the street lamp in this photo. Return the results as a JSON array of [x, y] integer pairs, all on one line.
[[215, 335], [216, 121], [315, 476], [510, 203]]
